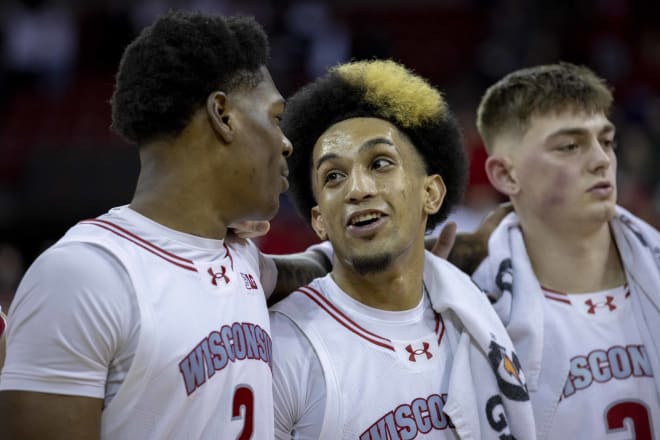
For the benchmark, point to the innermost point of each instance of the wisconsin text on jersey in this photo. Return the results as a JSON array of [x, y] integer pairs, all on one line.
[[409, 420], [232, 343], [604, 365]]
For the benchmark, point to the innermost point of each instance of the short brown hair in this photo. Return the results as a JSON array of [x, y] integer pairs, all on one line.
[[513, 100]]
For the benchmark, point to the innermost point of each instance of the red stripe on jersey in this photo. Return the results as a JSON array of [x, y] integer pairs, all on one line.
[[162, 253], [3, 323], [555, 295], [439, 327], [231, 259], [344, 320]]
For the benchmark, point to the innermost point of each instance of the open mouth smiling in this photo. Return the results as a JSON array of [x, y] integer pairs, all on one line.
[[365, 223]]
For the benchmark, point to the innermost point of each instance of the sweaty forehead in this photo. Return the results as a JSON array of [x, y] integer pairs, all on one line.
[[354, 135]]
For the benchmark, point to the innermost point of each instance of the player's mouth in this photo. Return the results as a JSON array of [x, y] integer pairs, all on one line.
[[602, 189], [284, 175], [365, 223]]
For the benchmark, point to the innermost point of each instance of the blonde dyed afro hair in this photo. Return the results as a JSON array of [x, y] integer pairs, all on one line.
[[380, 89]]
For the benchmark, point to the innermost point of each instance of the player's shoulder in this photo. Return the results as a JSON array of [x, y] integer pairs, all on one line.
[[304, 304], [72, 260]]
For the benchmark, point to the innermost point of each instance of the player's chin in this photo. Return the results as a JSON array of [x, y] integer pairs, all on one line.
[[271, 208], [604, 212]]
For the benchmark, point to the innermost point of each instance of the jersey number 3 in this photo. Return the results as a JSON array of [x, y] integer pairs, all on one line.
[[244, 398], [636, 412]]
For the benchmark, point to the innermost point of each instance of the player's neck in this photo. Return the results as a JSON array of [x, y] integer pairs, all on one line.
[[167, 194], [574, 263], [399, 287]]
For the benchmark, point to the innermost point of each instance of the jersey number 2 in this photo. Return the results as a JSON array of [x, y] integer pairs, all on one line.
[[243, 397], [635, 412]]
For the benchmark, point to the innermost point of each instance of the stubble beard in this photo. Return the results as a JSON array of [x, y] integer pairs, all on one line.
[[371, 263]]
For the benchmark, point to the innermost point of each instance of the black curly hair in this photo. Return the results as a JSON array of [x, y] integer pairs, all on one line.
[[382, 89], [170, 69]]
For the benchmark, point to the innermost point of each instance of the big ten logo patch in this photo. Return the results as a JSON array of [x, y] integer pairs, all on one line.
[[248, 281]]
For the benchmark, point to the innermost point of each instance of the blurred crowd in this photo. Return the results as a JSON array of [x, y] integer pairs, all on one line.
[[61, 163]]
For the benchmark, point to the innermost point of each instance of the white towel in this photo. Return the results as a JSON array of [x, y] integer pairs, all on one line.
[[487, 396], [507, 274]]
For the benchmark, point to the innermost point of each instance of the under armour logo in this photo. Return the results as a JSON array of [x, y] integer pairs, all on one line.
[[608, 303], [418, 352], [215, 276]]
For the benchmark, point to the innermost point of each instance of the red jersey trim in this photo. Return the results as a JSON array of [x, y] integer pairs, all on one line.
[[3, 323], [228, 254], [344, 320], [439, 327], [556, 295], [123, 233]]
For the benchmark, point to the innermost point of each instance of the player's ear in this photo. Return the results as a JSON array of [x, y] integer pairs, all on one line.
[[318, 224], [434, 193], [217, 107], [502, 174]]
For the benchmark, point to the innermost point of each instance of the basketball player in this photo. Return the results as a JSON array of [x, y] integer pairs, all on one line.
[[361, 353], [576, 277], [145, 323]]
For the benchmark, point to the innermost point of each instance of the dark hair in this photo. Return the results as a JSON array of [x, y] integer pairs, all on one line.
[[513, 100], [170, 69], [384, 90]]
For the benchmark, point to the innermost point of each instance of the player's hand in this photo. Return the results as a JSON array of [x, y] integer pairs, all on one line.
[[471, 249], [249, 228], [445, 242]]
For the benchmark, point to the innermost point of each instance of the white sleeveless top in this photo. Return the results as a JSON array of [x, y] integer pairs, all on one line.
[[610, 381], [373, 386], [200, 360]]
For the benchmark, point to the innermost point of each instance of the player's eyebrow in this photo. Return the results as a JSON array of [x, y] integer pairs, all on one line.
[[580, 131], [369, 144]]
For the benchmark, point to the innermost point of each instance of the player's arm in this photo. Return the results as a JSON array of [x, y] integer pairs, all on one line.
[[281, 274], [296, 270], [70, 316], [29, 415]]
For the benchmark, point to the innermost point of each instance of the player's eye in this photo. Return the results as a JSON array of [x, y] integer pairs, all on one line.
[[568, 147], [609, 144], [332, 177], [381, 163]]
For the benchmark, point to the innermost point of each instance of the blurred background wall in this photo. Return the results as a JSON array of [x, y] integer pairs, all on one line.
[[59, 162]]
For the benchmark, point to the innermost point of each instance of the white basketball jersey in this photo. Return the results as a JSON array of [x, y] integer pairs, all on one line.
[[202, 365], [610, 379], [376, 388]]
